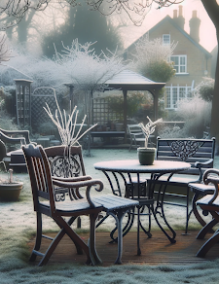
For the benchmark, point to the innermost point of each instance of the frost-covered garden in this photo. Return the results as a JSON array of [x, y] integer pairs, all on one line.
[[62, 68]]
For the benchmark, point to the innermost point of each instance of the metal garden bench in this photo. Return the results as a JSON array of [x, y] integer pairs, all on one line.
[[200, 154]]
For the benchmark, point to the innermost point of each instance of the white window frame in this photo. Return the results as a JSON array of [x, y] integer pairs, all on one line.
[[180, 65], [164, 41], [176, 93]]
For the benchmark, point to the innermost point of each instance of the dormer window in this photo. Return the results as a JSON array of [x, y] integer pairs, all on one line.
[[166, 39]]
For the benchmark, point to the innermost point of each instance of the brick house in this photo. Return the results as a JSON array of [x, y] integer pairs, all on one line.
[[191, 61]]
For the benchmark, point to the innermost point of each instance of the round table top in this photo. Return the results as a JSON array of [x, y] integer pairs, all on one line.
[[133, 166]]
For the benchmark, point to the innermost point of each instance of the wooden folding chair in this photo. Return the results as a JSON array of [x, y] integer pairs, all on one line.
[[42, 185], [65, 163]]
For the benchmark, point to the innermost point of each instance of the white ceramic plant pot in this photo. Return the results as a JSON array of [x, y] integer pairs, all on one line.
[[146, 156], [10, 191]]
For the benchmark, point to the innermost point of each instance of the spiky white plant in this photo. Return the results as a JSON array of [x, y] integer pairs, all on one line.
[[149, 128], [66, 125]]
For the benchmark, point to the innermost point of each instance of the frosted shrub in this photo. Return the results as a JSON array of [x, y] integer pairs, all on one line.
[[196, 114], [73, 62], [152, 59], [77, 65]]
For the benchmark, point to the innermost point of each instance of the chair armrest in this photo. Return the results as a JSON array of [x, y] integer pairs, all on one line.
[[200, 165], [79, 184], [4, 135], [137, 134], [205, 164], [211, 176], [71, 179]]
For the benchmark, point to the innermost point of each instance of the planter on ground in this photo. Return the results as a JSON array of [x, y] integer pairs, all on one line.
[[10, 191]]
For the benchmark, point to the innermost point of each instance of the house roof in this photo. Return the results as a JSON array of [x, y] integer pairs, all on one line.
[[172, 22], [130, 80]]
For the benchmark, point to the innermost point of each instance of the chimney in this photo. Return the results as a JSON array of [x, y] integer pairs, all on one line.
[[194, 25], [180, 19]]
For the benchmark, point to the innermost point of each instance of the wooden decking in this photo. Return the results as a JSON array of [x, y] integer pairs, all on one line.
[[156, 250]]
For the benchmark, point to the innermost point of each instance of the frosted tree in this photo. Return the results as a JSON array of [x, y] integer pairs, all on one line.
[[5, 53], [152, 56], [73, 62]]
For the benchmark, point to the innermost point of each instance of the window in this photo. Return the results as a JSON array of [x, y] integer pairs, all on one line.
[[176, 93], [166, 39], [180, 63]]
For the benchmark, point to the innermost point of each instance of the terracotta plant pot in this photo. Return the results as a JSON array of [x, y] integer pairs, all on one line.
[[146, 156], [10, 191]]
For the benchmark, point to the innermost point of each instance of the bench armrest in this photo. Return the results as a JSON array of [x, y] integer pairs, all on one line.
[[205, 164], [4, 136], [87, 183]]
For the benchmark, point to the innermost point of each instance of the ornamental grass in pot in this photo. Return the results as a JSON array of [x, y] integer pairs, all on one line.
[[146, 155]]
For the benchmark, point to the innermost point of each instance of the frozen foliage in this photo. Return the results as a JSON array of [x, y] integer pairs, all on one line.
[[66, 125], [149, 128], [73, 62], [77, 65], [205, 89], [148, 53], [196, 114]]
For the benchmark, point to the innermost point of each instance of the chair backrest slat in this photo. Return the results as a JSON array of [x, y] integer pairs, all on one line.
[[40, 176]]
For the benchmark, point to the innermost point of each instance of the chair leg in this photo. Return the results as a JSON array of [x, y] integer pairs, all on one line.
[[195, 210], [208, 244], [187, 211], [38, 237], [55, 242], [206, 229], [95, 260], [118, 216], [74, 237]]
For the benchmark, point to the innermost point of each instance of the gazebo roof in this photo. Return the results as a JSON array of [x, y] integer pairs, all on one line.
[[130, 80]]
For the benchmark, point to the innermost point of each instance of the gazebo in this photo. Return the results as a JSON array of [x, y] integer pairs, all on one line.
[[128, 80]]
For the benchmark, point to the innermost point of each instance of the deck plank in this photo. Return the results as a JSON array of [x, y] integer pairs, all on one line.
[[156, 250]]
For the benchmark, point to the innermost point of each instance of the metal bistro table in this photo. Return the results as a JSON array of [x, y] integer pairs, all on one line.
[[130, 171]]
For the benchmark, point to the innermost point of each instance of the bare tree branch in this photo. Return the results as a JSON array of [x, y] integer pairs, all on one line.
[[16, 9], [5, 53]]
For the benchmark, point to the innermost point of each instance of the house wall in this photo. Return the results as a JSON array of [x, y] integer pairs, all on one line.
[[199, 60], [197, 63]]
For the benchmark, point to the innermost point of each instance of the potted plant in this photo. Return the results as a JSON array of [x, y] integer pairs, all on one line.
[[70, 132], [9, 189], [146, 155]]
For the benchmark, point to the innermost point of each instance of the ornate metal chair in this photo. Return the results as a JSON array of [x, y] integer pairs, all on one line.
[[13, 138], [198, 152], [209, 204], [42, 185]]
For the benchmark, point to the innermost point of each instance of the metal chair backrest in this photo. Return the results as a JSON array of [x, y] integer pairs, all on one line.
[[188, 150], [134, 129], [40, 176], [66, 162]]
